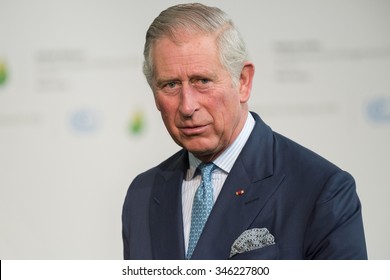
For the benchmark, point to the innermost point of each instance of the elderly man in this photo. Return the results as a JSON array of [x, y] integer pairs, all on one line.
[[236, 189]]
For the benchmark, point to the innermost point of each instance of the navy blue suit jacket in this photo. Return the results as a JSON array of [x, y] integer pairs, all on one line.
[[308, 204]]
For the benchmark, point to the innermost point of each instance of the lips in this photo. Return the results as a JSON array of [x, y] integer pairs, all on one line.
[[193, 130]]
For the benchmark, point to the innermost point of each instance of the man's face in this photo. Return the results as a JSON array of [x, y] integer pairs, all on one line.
[[201, 108]]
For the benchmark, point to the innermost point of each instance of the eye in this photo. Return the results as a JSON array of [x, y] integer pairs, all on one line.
[[170, 85], [202, 82]]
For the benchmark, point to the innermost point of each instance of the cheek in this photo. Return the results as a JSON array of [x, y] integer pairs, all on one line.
[[167, 110], [162, 104], [227, 112], [158, 102], [227, 104]]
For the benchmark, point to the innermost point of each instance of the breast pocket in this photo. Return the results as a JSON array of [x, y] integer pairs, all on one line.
[[270, 252]]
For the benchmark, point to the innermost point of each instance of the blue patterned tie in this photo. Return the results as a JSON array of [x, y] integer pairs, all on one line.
[[202, 205]]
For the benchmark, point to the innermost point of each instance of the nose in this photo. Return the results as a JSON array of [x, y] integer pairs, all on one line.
[[188, 103]]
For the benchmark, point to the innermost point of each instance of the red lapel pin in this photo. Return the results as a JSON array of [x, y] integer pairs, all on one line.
[[239, 192]]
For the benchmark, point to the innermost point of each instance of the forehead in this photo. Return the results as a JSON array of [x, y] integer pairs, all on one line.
[[198, 50]]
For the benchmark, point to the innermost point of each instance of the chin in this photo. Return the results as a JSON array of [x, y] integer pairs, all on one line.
[[201, 147], [204, 153], [197, 151]]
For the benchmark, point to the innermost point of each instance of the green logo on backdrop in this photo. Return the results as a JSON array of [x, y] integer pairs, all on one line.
[[137, 123], [3, 72]]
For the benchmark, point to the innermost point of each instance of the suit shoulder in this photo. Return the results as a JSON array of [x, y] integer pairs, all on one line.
[[311, 171], [292, 151]]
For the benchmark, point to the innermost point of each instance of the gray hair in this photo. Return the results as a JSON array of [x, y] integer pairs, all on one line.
[[197, 18]]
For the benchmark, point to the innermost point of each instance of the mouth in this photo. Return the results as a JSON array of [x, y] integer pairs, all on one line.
[[193, 130]]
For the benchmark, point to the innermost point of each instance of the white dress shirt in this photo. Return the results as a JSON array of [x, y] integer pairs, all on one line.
[[224, 163]]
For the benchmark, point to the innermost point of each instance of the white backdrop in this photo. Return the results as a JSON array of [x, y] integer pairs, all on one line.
[[78, 122]]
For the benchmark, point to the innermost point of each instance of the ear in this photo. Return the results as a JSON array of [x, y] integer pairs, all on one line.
[[246, 78]]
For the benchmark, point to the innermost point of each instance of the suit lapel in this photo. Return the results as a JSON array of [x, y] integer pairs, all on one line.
[[232, 214], [166, 221]]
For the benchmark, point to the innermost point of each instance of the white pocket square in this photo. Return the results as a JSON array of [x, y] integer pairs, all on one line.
[[252, 239]]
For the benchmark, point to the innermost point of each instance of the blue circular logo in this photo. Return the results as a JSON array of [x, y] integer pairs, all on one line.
[[378, 109], [85, 121]]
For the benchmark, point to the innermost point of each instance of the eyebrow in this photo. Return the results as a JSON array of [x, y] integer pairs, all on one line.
[[209, 75]]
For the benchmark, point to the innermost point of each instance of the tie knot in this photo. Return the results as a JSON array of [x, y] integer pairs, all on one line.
[[206, 169]]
